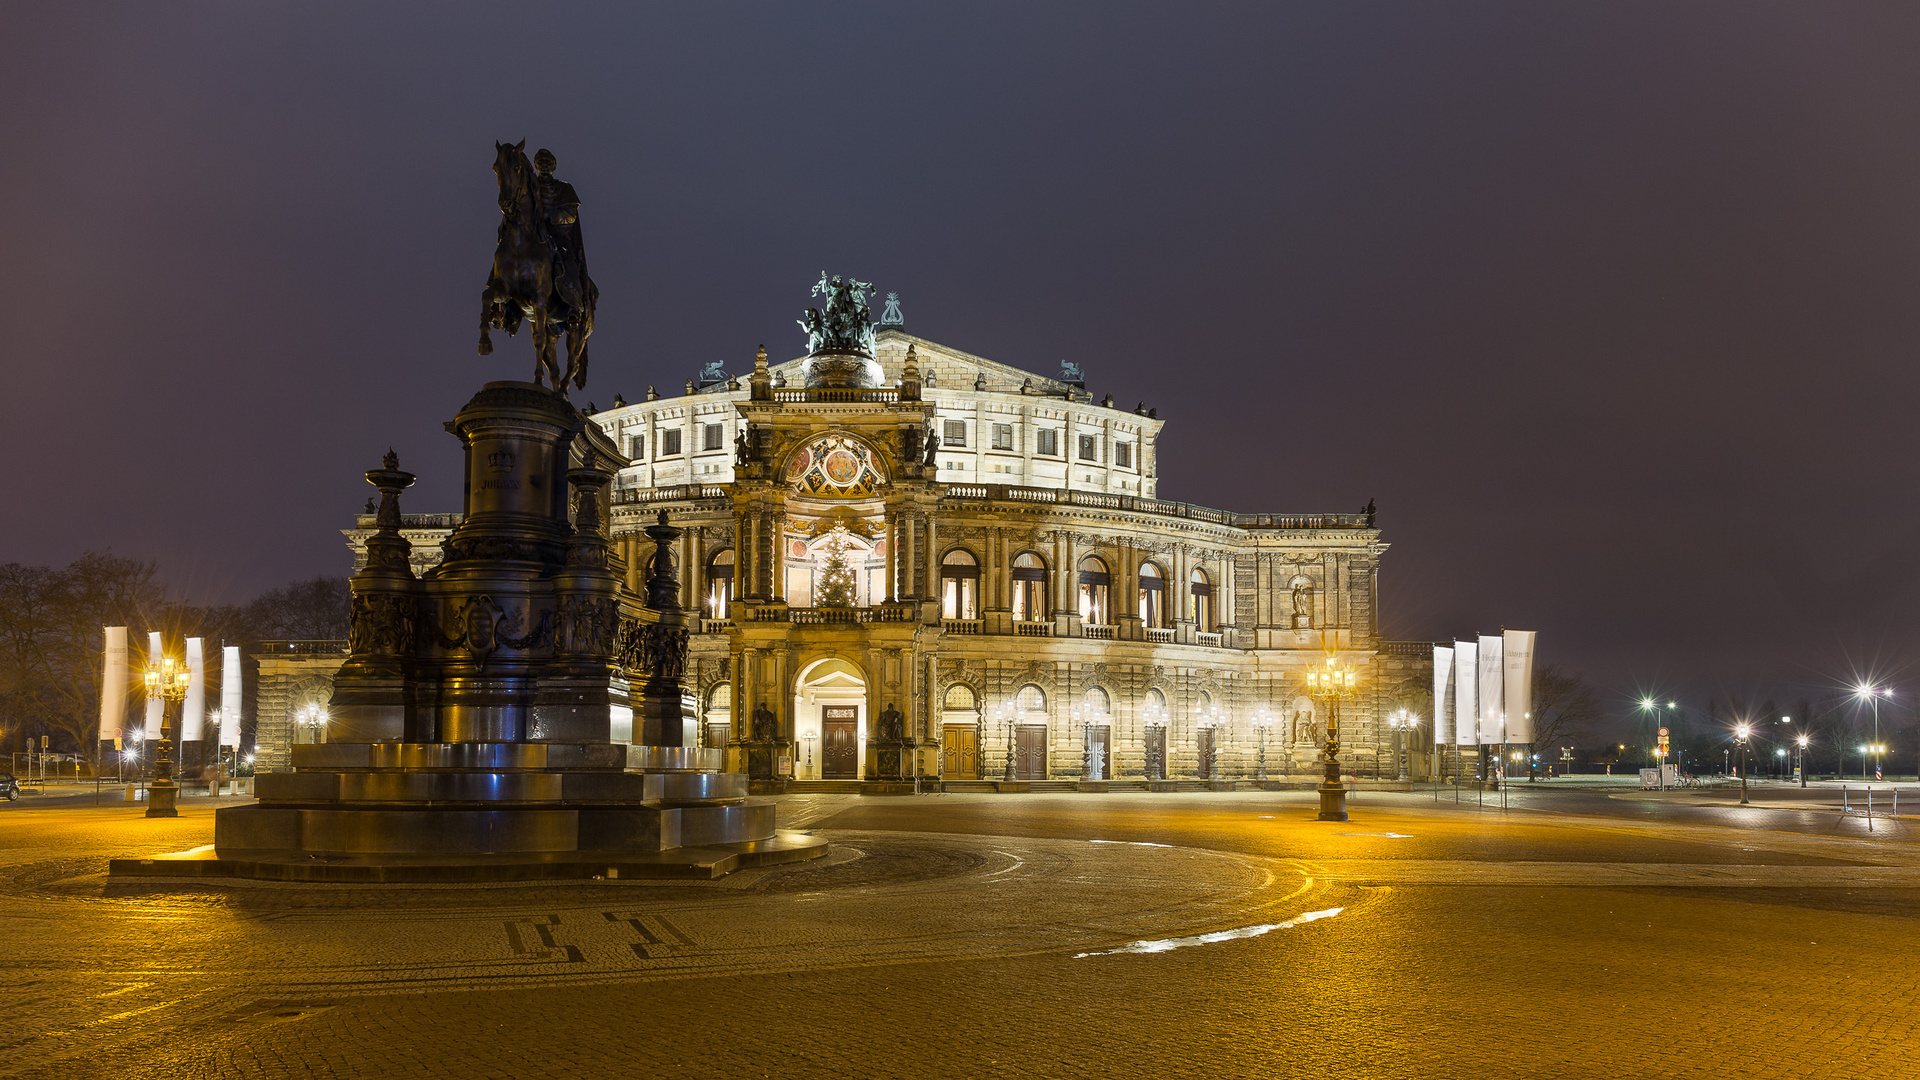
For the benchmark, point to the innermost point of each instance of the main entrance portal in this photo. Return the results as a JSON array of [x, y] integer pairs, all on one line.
[[830, 713]]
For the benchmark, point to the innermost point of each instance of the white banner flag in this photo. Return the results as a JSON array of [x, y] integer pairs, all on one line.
[[230, 696], [1442, 691], [1519, 678], [193, 711], [113, 687], [152, 726], [1493, 699], [1465, 715]]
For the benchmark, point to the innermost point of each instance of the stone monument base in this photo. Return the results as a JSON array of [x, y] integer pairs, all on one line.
[[446, 812]]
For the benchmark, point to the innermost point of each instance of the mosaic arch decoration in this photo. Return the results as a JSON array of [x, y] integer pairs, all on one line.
[[834, 467]]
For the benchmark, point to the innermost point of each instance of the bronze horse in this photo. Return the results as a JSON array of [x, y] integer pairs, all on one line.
[[524, 278]]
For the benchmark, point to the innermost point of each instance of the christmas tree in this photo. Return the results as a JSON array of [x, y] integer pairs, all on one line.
[[836, 574]]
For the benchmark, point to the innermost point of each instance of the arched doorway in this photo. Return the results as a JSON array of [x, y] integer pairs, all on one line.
[[719, 714], [1030, 733], [830, 718], [960, 734]]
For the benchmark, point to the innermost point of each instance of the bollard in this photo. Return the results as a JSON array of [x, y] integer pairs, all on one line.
[[1869, 809]]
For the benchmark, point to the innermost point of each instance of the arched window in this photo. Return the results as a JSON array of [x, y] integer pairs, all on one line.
[[1153, 595], [1030, 699], [719, 583], [1098, 702], [1201, 605], [959, 698], [959, 585], [719, 717], [1030, 587], [1155, 709], [720, 698], [1094, 586]]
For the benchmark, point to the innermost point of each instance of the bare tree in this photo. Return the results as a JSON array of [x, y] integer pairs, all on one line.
[[1565, 708]]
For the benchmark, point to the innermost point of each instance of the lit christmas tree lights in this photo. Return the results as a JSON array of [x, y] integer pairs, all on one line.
[[836, 574]]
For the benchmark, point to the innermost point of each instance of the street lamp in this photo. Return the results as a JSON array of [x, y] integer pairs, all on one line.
[[1878, 750], [809, 737], [1214, 722], [1742, 732], [1873, 694], [1262, 720], [1402, 722], [314, 719], [1801, 758], [1330, 684], [168, 683], [1001, 715]]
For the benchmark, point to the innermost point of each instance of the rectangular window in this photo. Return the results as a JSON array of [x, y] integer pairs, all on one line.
[[956, 433], [670, 442], [1122, 454], [711, 436], [1003, 436], [1047, 442], [1089, 448], [637, 447]]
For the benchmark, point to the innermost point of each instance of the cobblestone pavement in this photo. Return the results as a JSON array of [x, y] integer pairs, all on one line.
[[1071, 935]]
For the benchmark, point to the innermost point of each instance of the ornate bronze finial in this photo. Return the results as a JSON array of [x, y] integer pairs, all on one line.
[[390, 460], [891, 316], [539, 267]]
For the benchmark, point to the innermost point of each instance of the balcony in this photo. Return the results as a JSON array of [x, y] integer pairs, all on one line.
[[839, 395], [1210, 641], [1096, 632], [960, 626], [673, 493], [1033, 629], [1155, 633]]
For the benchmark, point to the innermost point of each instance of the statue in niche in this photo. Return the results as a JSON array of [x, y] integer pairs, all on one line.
[[1302, 604], [762, 723], [891, 727], [1305, 728], [933, 445]]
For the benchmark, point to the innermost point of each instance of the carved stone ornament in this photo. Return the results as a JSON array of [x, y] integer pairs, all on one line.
[[382, 625], [485, 627], [656, 650], [586, 625]]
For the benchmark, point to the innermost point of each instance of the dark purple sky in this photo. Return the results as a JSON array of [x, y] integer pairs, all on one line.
[[1613, 307]]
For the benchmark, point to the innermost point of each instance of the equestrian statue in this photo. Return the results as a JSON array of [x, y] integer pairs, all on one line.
[[539, 267]]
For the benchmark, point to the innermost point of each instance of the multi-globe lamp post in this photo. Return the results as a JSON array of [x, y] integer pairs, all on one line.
[[1800, 757], [168, 683], [1403, 723], [1331, 684], [1262, 722]]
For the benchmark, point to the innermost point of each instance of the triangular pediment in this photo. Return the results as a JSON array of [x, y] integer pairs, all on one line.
[[949, 367]]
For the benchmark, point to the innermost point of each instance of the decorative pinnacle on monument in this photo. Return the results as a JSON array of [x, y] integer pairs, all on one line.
[[663, 586], [891, 315]]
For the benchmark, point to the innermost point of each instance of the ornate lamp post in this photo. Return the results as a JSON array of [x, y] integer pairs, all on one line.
[[168, 682], [1331, 684], [1800, 758], [314, 719], [1156, 718], [1262, 721], [1213, 721], [808, 738], [1402, 722]]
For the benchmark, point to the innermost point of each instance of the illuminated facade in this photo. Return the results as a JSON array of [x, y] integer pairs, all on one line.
[[961, 569]]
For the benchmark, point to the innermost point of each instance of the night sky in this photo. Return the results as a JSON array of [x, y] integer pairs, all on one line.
[[1613, 307]]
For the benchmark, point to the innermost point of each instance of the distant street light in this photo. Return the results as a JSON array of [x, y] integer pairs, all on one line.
[[1801, 757], [1403, 723], [1742, 733]]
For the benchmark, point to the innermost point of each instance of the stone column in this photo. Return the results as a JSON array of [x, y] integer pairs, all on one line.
[[778, 523]]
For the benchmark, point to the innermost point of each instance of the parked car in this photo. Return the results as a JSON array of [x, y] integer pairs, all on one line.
[[9, 787]]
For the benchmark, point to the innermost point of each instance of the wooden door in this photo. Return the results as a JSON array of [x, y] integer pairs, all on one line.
[[960, 752], [840, 742], [1156, 752], [1030, 752], [1102, 736], [717, 735], [1204, 739]]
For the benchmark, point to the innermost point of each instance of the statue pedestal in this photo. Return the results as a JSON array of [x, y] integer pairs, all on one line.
[[473, 719], [161, 795]]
